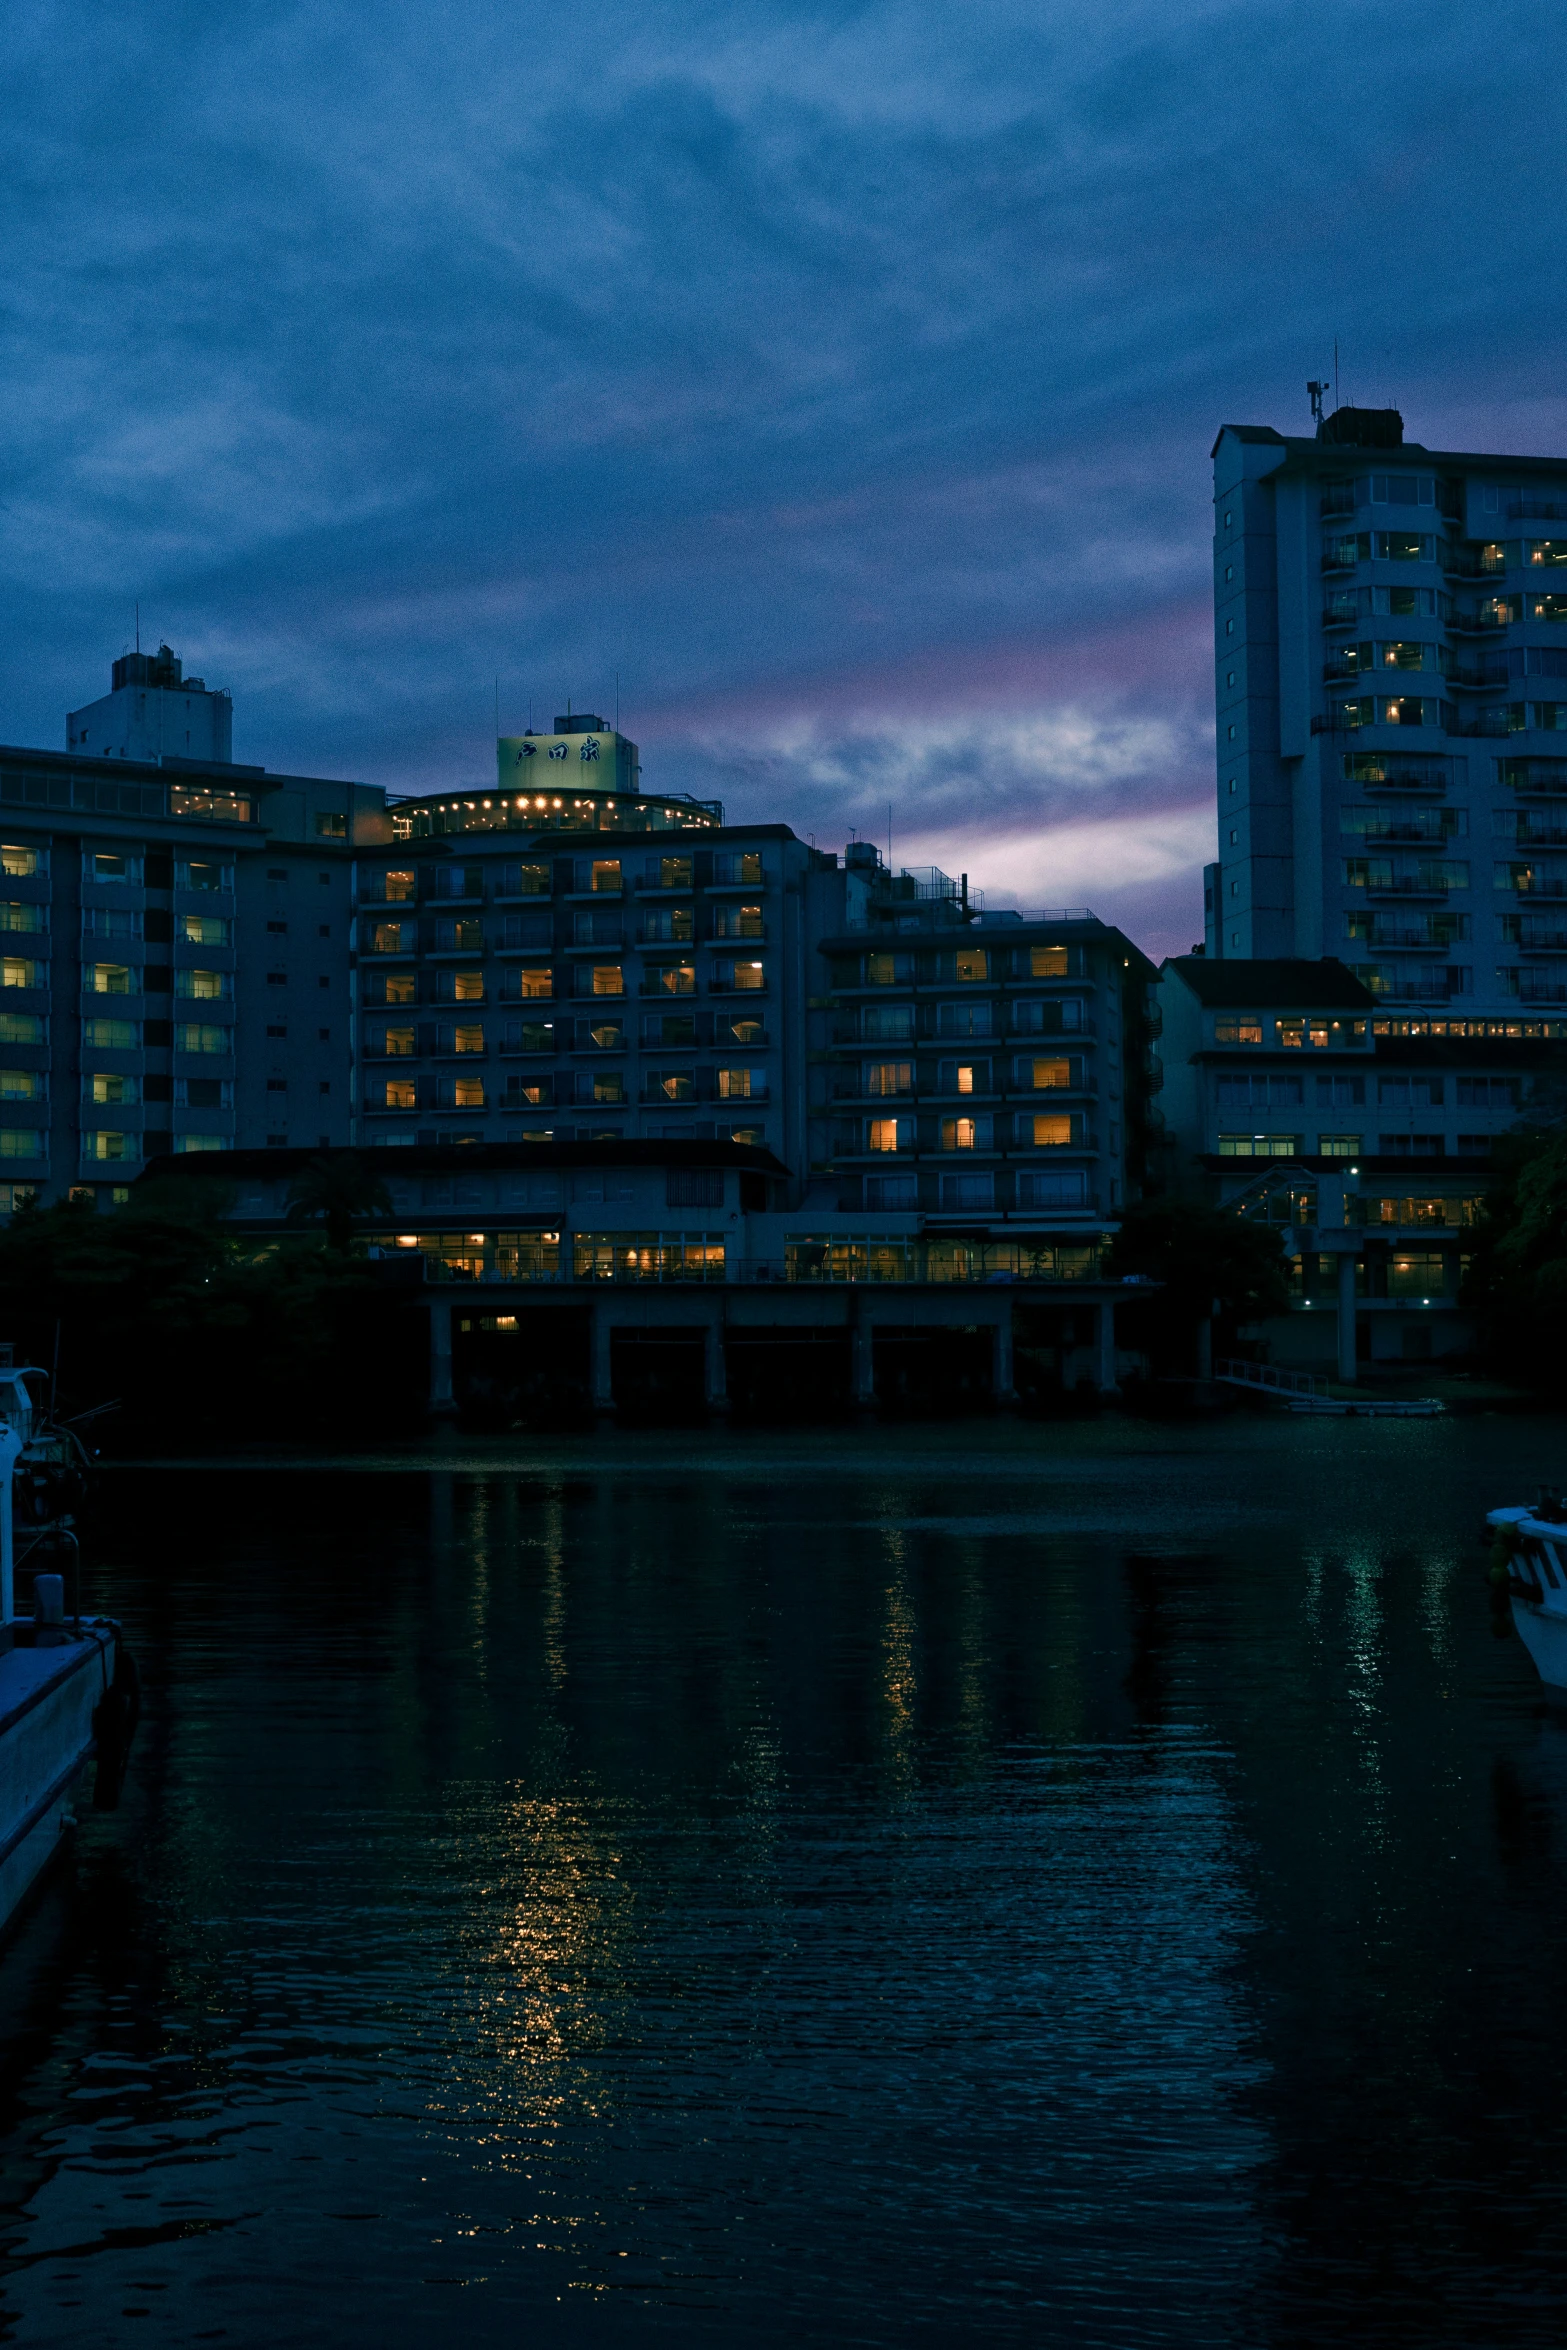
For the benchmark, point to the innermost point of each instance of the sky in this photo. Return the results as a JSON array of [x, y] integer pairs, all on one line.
[[834, 385]]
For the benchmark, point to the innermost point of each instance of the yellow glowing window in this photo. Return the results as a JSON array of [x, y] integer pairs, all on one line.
[[748, 974], [397, 1040], [883, 1076], [971, 963], [1052, 1133], [400, 987], [107, 1087], [1048, 1073], [401, 1093], [608, 978], [881, 970], [734, 1085], [957, 1134], [468, 987], [966, 1077], [400, 888], [107, 978], [18, 862], [606, 873], [468, 1093], [468, 1040], [884, 1134], [1246, 1029], [1048, 962], [386, 938], [678, 1085], [609, 1086], [24, 1085], [534, 982]]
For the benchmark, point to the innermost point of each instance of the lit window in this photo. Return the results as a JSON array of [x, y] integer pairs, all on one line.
[[106, 978], [21, 1085], [1048, 962], [18, 862], [957, 1134], [608, 978], [1052, 1133], [468, 987], [468, 1040], [536, 982], [884, 1134], [400, 1093], [971, 963], [1051, 1073]]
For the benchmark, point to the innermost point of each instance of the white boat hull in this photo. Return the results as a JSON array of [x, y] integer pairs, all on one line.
[[1544, 1635], [47, 1697]]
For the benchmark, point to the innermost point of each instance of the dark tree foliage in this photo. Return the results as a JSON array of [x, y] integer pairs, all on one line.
[[1205, 1258], [201, 1337], [337, 1193], [1516, 1286]]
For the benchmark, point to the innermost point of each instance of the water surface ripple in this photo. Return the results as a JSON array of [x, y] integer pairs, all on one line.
[[1077, 1884]]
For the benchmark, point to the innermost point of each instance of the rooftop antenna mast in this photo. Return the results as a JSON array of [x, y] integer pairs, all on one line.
[[1316, 391]]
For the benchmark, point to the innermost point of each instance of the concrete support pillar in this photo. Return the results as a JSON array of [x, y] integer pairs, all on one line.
[[1104, 1347], [1346, 1320], [1001, 1386], [863, 1376], [715, 1379], [601, 1372], [441, 1396], [1205, 1347]]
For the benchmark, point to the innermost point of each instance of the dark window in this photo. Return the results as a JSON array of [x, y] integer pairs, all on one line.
[[277, 979], [277, 1085], [277, 873], [279, 928], [326, 1085], [326, 930], [694, 1187], [323, 981], [325, 1035], [278, 1028], [204, 1093]]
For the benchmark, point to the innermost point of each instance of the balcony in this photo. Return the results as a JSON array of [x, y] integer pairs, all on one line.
[[1542, 939], [1484, 677], [1489, 725], [1411, 885], [1545, 776], [1537, 510], [1532, 988], [1472, 562]]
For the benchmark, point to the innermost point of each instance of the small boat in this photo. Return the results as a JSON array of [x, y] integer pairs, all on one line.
[[68, 1687], [1530, 1554], [1344, 1407]]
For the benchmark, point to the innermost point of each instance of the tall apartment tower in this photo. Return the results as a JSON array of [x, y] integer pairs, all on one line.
[[1390, 630]]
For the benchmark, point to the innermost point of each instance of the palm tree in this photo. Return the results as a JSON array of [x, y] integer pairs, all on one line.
[[339, 1192]]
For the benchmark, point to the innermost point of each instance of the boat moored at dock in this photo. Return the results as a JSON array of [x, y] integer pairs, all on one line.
[[68, 1693], [1531, 1548]]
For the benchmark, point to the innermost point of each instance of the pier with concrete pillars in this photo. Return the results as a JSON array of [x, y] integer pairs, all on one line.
[[714, 1345]]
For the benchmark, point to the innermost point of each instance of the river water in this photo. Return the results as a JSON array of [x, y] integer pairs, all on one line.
[[1081, 1884]]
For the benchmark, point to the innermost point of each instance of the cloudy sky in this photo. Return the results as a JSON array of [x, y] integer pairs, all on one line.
[[840, 379]]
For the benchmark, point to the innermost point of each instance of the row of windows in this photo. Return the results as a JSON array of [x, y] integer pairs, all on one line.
[[667, 1031], [124, 979], [1063, 1188], [116, 1086], [1059, 1130], [1344, 1092], [967, 965], [1348, 1146], [1434, 876], [530, 933], [104, 1144], [536, 982], [897, 1077], [24, 862], [1313, 1030], [476, 1092], [401, 885]]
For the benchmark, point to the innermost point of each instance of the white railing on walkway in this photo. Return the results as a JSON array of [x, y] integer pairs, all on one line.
[[1264, 1375]]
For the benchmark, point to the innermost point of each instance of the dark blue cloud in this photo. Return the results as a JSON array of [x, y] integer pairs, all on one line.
[[841, 378]]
